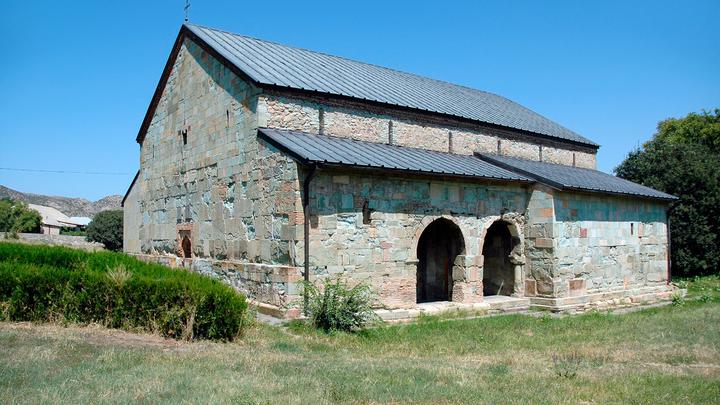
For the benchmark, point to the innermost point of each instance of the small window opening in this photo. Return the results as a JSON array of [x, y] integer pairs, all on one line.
[[632, 228], [227, 114], [366, 211], [450, 142], [186, 247], [540, 153], [390, 132], [498, 147], [573, 159], [184, 135], [321, 121]]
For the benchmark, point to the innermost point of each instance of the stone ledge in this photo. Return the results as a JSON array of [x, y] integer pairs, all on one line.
[[605, 300], [274, 285]]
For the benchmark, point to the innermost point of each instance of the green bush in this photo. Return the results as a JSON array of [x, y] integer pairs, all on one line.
[[72, 232], [16, 216], [339, 308], [51, 284], [107, 228]]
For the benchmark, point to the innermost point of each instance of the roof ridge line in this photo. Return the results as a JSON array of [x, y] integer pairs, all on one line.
[[476, 105], [351, 60]]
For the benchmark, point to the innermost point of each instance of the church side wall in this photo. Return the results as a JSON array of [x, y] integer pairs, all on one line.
[[383, 252], [607, 243], [234, 199], [407, 130], [594, 251]]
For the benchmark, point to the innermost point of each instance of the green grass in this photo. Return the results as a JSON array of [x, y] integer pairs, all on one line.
[[668, 354]]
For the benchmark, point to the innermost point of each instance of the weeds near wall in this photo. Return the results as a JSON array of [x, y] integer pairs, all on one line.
[[677, 300], [337, 307]]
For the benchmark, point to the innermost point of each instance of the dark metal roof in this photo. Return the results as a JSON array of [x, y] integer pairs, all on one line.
[[575, 178], [279, 65], [310, 148]]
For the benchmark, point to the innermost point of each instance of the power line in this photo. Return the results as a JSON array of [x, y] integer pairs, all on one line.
[[17, 169]]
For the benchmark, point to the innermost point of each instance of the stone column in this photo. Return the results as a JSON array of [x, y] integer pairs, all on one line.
[[518, 261]]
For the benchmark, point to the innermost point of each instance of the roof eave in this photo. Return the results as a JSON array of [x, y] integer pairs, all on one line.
[[308, 162], [563, 187], [127, 193], [185, 32]]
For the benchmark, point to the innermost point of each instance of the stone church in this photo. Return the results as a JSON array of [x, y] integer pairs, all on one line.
[[263, 164]]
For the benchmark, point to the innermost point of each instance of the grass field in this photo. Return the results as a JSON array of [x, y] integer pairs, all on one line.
[[669, 354]]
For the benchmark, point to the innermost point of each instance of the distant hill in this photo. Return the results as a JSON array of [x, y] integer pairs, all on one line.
[[74, 207]]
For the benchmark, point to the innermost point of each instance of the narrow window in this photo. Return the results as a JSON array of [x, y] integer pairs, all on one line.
[[498, 147], [366, 213], [573, 159], [390, 132], [632, 228], [321, 121], [450, 142], [540, 153]]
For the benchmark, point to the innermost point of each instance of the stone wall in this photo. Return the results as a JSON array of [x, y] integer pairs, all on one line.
[[77, 242], [606, 243], [388, 126], [383, 252], [204, 175], [589, 243]]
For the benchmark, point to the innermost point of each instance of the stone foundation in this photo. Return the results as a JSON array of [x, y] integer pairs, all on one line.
[[606, 300], [274, 286]]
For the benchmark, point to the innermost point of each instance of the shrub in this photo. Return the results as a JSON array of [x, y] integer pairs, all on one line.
[[72, 231], [677, 299], [567, 365], [339, 308], [16, 216], [49, 284], [107, 228]]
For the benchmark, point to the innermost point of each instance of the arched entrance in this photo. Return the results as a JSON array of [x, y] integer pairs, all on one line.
[[498, 268], [440, 243]]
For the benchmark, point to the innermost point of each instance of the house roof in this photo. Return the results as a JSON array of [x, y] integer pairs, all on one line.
[[81, 221], [329, 150], [52, 217], [574, 178], [280, 66]]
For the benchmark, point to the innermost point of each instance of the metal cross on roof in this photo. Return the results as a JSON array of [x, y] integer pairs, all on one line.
[[187, 8]]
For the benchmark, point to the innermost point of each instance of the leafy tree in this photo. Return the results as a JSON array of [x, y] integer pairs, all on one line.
[[16, 216], [683, 159], [107, 228]]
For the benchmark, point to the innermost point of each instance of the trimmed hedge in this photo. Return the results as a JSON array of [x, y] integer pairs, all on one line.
[[50, 284]]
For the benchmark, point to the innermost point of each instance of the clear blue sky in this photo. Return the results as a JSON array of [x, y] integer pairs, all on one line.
[[77, 77]]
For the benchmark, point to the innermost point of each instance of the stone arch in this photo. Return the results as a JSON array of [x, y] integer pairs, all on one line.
[[503, 255], [420, 228], [440, 251]]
